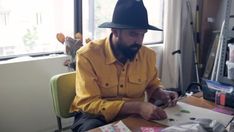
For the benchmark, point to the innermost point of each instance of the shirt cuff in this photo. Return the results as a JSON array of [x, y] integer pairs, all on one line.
[[110, 109]]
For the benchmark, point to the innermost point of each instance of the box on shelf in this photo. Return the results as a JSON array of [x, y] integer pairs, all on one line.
[[230, 67], [231, 52]]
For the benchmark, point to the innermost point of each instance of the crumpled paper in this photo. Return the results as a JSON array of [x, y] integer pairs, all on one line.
[[198, 125]]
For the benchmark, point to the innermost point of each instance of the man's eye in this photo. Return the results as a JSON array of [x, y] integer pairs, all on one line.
[[133, 34]]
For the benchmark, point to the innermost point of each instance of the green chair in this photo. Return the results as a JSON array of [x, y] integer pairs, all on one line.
[[63, 93]]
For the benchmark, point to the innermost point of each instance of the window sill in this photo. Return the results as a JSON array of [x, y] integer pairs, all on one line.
[[29, 58]]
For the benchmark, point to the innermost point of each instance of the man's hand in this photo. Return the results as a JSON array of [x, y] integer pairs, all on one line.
[[149, 111], [172, 97], [168, 98], [146, 110]]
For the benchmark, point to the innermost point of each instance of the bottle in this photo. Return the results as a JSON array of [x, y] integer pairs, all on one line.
[[220, 98]]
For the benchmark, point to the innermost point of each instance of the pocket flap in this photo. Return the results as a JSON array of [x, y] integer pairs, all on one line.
[[108, 83], [137, 79]]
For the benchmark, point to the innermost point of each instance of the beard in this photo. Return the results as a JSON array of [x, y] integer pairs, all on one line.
[[128, 52]]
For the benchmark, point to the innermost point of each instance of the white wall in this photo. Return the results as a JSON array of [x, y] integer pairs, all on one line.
[[25, 97]]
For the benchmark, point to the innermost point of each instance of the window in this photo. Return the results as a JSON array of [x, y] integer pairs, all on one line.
[[30, 26], [95, 12]]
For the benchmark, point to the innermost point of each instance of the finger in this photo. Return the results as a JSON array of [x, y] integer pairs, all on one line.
[[175, 95], [160, 113], [156, 117], [174, 101], [164, 106], [163, 114], [166, 100], [171, 100]]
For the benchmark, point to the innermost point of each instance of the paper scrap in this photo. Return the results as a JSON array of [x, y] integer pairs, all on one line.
[[118, 127], [151, 129]]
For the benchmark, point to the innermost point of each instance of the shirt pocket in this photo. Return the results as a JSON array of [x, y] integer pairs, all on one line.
[[108, 87], [136, 86]]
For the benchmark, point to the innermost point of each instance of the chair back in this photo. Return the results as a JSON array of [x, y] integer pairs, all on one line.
[[63, 93]]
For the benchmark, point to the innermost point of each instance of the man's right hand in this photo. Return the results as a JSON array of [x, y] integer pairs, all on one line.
[[146, 110], [149, 111]]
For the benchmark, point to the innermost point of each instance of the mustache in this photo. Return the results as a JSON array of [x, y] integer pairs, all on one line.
[[135, 45]]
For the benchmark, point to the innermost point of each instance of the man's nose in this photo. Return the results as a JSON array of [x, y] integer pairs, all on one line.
[[139, 40]]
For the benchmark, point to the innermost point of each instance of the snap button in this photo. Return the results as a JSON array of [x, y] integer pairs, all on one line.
[[103, 108], [107, 84], [121, 85], [123, 70]]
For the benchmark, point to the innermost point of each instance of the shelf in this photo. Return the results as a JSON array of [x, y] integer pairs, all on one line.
[[227, 34]]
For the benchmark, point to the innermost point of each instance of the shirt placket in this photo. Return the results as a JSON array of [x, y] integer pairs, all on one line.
[[122, 81]]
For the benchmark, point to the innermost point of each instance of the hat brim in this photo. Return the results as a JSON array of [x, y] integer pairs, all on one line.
[[121, 26]]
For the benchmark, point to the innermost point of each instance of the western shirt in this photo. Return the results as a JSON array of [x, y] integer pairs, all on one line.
[[103, 84]]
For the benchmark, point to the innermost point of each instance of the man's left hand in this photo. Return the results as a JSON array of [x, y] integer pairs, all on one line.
[[171, 98], [168, 98]]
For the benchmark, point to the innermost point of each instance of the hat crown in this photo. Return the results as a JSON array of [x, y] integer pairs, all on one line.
[[131, 13]]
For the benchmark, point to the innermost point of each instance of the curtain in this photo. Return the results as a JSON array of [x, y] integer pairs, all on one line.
[[177, 69]]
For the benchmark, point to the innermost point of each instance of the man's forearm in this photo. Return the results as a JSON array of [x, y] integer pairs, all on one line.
[[128, 108]]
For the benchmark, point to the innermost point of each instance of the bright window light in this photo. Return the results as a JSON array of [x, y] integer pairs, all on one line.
[[30, 26]]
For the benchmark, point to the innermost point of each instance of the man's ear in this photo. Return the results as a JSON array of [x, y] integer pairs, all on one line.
[[115, 32]]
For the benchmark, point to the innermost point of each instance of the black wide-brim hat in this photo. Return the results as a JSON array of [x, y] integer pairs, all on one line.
[[129, 14]]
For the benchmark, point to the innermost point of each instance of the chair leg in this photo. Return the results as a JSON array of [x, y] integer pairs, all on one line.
[[59, 123]]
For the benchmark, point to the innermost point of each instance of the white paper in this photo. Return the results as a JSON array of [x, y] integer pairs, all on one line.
[[183, 113]]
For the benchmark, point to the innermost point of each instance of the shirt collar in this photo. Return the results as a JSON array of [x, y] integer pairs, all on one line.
[[110, 58]]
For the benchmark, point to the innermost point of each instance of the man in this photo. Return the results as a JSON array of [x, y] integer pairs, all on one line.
[[113, 74]]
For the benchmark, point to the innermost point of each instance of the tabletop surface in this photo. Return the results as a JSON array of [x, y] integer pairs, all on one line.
[[134, 123]]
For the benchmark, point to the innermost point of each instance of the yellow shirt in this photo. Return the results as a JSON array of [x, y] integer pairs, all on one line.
[[103, 84]]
